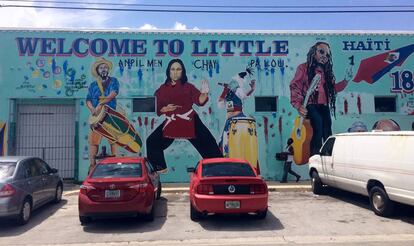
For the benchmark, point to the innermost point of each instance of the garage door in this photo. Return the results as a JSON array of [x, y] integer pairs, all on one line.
[[48, 131]]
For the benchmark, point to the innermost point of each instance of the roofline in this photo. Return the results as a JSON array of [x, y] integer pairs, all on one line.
[[377, 133], [211, 31]]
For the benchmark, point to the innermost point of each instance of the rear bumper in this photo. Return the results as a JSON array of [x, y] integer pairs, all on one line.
[[8, 207], [216, 203], [141, 204]]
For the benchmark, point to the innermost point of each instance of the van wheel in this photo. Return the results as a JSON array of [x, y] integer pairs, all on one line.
[[25, 212], [317, 186], [194, 214], [380, 203]]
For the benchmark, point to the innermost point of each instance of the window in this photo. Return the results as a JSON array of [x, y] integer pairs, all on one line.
[[227, 169], [328, 147], [265, 104], [385, 104], [7, 169], [123, 170], [143, 104]]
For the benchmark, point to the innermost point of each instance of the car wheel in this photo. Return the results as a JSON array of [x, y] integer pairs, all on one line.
[[194, 214], [25, 212], [151, 215], [159, 190], [58, 193], [84, 219], [262, 214], [380, 203], [317, 186]]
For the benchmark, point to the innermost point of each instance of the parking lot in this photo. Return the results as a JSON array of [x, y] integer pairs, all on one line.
[[294, 217]]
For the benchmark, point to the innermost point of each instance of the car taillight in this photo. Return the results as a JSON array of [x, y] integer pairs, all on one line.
[[258, 189], [139, 186], [205, 189], [7, 190], [85, 188]]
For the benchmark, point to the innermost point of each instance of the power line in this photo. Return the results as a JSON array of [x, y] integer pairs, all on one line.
[[213, 11], [206, 6]]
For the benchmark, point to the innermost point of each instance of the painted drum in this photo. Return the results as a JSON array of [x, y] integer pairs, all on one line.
[[243, 140], [116, 128]]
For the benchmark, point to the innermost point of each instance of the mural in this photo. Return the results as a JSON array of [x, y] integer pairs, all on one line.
[[204, 92], [175, 99], [105, 120], [313, 94], [239, 137]]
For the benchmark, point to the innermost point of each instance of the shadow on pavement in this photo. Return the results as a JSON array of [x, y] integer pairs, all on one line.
[[241, 223], [403, 212], [130, 224], [10, 228]]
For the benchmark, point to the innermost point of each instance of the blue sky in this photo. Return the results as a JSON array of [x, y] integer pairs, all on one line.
[[52, 18]]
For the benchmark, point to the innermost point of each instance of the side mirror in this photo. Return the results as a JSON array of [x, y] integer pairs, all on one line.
[[53, 170], [190, 170]]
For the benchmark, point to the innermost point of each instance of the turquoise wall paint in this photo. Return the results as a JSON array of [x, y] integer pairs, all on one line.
[[54, 64]]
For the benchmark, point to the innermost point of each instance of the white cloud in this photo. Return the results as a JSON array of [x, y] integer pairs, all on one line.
[[179, 26], [147, 26]]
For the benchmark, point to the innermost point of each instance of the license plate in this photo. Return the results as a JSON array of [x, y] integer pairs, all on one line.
[[232, 204], [112, 193]]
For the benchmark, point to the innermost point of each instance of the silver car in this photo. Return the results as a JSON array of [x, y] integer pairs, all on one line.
[[26, 183]]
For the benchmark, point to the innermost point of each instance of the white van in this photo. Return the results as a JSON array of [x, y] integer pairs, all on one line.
[[376, 164]]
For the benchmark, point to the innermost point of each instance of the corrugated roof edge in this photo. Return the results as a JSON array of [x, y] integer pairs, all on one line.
[[241, 32]]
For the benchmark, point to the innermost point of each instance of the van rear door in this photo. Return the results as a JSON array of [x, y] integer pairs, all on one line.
[[327, 161]]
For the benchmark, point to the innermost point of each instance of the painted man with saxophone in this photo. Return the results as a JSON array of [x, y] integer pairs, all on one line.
[[321, 102]]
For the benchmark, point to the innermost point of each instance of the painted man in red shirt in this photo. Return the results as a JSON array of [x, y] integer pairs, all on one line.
[[322, 100], [175, 99]]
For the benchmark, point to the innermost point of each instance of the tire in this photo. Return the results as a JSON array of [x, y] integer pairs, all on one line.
[[151, 215], [25, 212], [261, 215], [380, 202], [194, 214], [317, 186], [84, 219], [159, 190], [58, 193]]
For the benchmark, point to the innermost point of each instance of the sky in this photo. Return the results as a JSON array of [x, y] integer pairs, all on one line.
[[93, 19]]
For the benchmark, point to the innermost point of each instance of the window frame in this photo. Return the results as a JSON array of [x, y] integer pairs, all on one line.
[[385, 97], [144, 97]]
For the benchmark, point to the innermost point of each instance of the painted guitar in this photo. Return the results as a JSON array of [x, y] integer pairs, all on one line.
[[302, 130]]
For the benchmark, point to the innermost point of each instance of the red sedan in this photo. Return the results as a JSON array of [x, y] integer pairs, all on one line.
[[226, 186], [119, 186]]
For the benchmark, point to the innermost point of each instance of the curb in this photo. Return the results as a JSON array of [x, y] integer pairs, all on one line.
[[271, 188]]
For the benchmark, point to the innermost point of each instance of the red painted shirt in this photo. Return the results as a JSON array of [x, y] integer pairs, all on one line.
[[300, 85], [180, 122]]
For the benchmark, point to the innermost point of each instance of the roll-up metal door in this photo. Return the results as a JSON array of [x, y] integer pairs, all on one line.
[[48, 131]]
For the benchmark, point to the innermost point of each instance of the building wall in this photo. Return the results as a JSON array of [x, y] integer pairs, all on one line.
[[50, 64]]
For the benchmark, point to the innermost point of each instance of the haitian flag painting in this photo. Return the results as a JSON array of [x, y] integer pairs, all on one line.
[[373, 68]]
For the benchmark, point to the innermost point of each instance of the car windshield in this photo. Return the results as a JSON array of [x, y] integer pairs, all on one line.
[[227, 169], [118, 170], [7, 169]]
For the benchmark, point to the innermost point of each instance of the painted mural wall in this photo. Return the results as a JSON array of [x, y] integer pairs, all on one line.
[[213, 94]]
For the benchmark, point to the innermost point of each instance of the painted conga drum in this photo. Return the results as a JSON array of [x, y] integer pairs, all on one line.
[[116, 128], [243, 140]]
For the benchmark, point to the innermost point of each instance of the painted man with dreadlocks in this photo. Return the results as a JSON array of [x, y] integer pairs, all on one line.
[[322, 101]]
